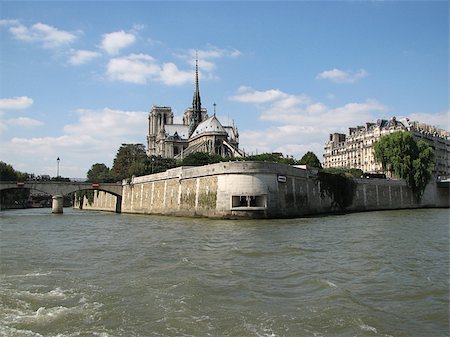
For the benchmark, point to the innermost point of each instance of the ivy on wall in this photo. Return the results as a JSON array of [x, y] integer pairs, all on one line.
[[340, 188], [89, 194]]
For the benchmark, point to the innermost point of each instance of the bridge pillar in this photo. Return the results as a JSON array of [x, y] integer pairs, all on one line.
[[57, 204]]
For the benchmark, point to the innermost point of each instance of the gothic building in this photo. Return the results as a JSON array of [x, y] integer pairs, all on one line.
[[198, 133]]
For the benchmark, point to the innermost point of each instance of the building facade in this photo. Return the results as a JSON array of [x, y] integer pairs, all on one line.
[[198, 133], [355, 150]]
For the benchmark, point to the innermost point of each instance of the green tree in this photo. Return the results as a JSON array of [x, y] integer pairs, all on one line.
[[270, 157], [310, 159], [422, 167], [99, 173], [155, 164], [129, 161], [200, 158], [13, 198], [407, 159], [350, 173], [339, 186], [7, 172]]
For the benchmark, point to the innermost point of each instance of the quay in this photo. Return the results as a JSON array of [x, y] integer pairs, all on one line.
[[260, 190]]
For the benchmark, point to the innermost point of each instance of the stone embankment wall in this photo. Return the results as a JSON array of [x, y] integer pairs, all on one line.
[[103, 201], [260, 190]]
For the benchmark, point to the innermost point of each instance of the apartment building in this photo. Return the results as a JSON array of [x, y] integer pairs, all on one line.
[[355, 150]]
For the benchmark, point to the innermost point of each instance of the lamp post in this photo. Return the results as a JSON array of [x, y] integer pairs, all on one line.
[[57, 167]]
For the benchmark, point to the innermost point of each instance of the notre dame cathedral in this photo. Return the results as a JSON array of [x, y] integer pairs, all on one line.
[[198, 133]]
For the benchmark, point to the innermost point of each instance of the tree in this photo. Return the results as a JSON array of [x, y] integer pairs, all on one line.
[[200, 158], [310, 159], [156, 164], [407, 159], [7, 172], [348, 172], [270, 157], [422, 167], [129, 161], [99, 173], [14, 197]]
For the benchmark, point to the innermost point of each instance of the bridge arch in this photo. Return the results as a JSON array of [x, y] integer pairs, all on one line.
[[60, 189], [80, 201]]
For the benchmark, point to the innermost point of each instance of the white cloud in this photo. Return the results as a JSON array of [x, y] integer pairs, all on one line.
[[141, 68], [25, 122], [249, 95], [112, 43], [207, 58], [15, 103], [83, 143], [440, 120], [115, 123], [171, 75], [3, 127], [303, 124], [79, 57], [135, 68], [213, 52], [48, 36], [341, 76]]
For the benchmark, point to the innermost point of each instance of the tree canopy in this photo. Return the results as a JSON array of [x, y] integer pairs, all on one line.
[[129, 161], [270, 157], [200, 158], [407, 159], [14, 197], [8, 173], [99, 173], [310, 159]]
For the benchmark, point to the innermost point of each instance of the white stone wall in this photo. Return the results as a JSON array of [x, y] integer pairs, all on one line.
[[255, 190], [103, 201]]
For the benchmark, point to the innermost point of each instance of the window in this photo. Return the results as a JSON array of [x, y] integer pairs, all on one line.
[[258, 201]]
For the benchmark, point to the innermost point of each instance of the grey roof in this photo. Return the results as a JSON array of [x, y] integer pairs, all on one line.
[[180, 129], [232, 132], [211, 124]]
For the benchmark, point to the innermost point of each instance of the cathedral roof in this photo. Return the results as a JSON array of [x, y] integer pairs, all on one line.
[[232, 132], [211, 124], [181, 130]]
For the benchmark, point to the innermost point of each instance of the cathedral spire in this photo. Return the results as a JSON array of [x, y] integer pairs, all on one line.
[[196, 103], [196, 118]]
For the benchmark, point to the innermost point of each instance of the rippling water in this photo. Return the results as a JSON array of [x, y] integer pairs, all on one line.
[[101, 274]]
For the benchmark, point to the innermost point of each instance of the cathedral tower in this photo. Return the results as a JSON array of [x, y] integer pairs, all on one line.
[[196, 118]]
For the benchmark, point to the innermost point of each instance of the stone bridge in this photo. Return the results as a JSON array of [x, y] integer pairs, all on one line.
[[57, 189]]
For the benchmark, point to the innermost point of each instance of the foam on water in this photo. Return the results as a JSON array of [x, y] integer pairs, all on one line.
[[105, 275], [28, 275], [27, 313]]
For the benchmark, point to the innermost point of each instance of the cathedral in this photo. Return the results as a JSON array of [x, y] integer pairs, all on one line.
[[198, 133]]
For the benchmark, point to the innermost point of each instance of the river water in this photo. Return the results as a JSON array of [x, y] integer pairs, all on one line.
[[104, 274]]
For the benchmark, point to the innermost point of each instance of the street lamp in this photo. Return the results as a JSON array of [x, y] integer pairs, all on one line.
[[57, 167]]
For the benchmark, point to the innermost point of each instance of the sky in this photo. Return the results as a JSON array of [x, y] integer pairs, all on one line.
[[77, 79]]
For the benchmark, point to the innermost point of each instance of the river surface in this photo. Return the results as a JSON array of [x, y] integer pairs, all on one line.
[[103, 274]]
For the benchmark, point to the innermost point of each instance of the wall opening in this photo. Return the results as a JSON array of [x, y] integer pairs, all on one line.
[[258, 201]]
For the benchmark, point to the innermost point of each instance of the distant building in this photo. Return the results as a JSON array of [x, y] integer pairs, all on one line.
[[198, 133], [355, 150]]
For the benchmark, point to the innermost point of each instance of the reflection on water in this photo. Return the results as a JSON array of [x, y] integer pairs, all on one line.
[[102, 274]]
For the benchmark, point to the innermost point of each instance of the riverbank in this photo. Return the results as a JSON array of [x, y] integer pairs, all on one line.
[[260, 190]]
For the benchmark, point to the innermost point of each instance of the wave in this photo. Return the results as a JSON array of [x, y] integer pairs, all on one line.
[[27, 313]]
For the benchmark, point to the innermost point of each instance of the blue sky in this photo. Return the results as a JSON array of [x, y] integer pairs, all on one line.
[[78, 78]]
